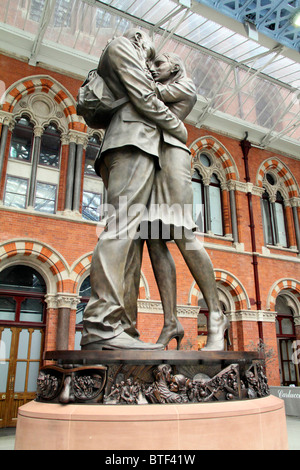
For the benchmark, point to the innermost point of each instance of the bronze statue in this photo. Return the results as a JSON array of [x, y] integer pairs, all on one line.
[[129, 153], [144, 161]]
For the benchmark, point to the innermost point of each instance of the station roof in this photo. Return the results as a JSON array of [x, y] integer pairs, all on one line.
[[243, 55]]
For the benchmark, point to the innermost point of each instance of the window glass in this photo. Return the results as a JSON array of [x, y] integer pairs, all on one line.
[[33, 373], [21, 141], [22, 278], [50, 147], [79, 313], [36, 10], [279, 211], [45, 197], [3, 376], [215, 206], [7, 308], [287, 326], [36, 341], [205, 160], [32, 310], [15, 192], [23, 344], [85, 289], [91, 205], [267, 220], [85, 293], [20, 377], [90, 156]]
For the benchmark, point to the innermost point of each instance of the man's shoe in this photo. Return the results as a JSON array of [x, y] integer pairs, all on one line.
[[122, 341]]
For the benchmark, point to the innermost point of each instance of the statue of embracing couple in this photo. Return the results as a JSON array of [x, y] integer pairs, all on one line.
[[144, 162]]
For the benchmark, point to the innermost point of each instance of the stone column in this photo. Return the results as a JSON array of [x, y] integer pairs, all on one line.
[[78, 141], [82, 141], [295, 203], [226, 210], [63, 304], [6, 119], [234, 226], [289, 224], [206, 203], [38, 131], [70, 172]]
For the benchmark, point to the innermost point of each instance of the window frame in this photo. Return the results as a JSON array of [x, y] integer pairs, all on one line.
[[271, 219], [17, 123], [55, 200], [5, 191], [44, 165]]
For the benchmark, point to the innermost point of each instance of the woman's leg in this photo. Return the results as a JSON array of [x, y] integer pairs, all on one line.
[[201, 269], [165, 274]]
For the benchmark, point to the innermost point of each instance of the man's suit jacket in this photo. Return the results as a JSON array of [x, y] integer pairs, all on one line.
[[143, 120]]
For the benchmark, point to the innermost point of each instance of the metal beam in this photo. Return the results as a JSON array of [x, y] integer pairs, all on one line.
[[46, 16]]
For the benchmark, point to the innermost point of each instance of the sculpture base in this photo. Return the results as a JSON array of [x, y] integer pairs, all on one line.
[[144, 377], [258, 424]]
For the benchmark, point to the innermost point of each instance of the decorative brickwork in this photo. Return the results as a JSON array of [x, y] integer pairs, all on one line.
[[283, 172]]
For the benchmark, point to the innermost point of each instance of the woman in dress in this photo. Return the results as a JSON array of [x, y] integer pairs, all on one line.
[[170, 210]]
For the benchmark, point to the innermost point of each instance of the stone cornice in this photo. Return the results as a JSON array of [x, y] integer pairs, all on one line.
[[252, 315], [155, 306], [245, 187]]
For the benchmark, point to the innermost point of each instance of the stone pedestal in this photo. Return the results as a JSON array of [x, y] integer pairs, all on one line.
[[258, 424]]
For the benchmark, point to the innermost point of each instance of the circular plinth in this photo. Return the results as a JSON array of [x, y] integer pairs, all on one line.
[[258, 424]]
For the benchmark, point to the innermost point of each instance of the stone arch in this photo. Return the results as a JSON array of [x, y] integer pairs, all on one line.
[[47, 261], [221, 155], [281, 170], [237, 297], [47, 85], [81, 269], [288, 285]]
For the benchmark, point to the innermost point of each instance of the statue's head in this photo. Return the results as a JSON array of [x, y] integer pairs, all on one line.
[[167, 66], [141, 40]]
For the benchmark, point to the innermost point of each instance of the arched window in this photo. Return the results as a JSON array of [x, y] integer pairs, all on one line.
[[207, 199], [22, 140], [215, 205], [35, 158], [285, 330], [274, 219], [50, 147], [22, 323], [22, 291]]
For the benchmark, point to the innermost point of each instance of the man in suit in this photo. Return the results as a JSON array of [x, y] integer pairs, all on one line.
[[127, 161]]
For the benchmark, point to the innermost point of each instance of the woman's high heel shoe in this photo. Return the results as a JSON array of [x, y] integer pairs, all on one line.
[[216, 341], [171, 332]]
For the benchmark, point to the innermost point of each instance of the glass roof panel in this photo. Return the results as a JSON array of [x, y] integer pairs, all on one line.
[[215, 57]]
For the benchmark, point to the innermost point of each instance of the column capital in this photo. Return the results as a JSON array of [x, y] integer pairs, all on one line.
[[6, 118], [62, 300], [78, 137]]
